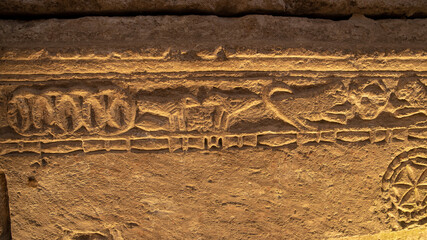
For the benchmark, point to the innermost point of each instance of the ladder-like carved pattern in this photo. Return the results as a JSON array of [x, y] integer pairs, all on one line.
[[201, 141]]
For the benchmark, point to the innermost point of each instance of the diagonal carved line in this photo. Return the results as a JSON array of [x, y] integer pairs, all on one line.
[[423, 176], [405, 196]]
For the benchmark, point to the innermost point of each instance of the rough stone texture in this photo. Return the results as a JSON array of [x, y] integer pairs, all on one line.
[[324, 8], [412, 234], [309, 192], [252, 43], [5, 229], [196, 32], [197, 127]]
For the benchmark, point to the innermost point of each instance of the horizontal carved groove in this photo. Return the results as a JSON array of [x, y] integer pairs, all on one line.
[[127, 67], [81, 53], [329, 16], [193, 78], [199, 142]]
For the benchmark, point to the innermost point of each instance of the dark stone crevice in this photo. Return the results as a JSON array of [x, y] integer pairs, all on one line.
[[75, 15]]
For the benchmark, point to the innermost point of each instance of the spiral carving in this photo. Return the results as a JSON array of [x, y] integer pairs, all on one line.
[[62, 112]]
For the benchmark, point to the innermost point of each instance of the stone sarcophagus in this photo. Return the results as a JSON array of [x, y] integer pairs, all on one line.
[[180, 127]]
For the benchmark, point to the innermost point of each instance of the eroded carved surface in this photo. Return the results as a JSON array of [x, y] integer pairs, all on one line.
[[63, 111], [405, 186], [273, 113], [306, 114]]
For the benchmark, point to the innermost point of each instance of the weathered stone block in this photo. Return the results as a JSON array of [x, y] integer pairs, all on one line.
[[205, 127]]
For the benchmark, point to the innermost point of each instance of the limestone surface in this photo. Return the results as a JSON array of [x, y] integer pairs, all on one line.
[[201, 127], [196, 32], [172, 43], [416, 233]]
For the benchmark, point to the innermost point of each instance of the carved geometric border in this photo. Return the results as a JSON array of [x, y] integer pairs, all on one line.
[[206, 142]]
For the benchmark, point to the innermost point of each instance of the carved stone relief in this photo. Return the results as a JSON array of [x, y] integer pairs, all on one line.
[[110, 117], [405, 186], [182, 126]]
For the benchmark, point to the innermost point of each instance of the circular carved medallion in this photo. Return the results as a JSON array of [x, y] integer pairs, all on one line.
[[405, 185]]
